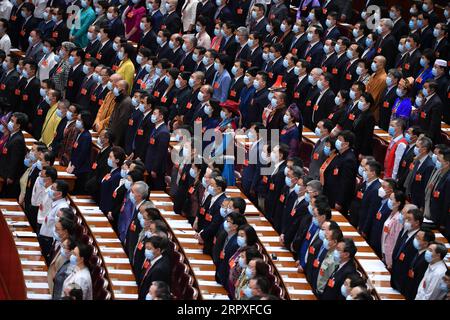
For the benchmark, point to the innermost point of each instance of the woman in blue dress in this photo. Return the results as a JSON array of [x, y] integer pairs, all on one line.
[[402, 105], [290, 133]]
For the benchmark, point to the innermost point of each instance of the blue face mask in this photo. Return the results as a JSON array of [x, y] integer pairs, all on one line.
[[416, 244], [434, 158], [368, 42], [344, 291], [416, 151], [352, 95], [226, 226], [425, 92], [408, 137], [310, 209], [204, 183], [307, 197], [127, 184], [337, 256], [71, 60], [401, 220], [288, 181], [428, 256], [326, 150], [315, 221], [326, 244], [73, 260], [248, 273], [79, 124], [27, 162], [223, 213], [390, 204], [248, 292], [132, 198], [149, 255], [123, 172], [438, 165], [110, 163], [338, 145], [297, 189], [211, 191], [241, 261], [422, 62], [322, 234], [39, 165], [391, 131]]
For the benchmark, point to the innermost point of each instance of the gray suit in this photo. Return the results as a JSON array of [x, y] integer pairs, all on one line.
[[317, 159], [35, 52]]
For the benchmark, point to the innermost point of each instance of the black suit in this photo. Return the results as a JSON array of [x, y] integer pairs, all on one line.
[[106, 54], [171, 22], [164, 51], [8, 83], [332, 290], [257, 105], [149, 41], [117, 28], [363, 129], [75, 79], [387, 101], [298, 45], [430, 117], [260, 27], [321, 109], [426, 38], [405, 162], [30, 98], [83, 97], [60, 32], [160, 271], [402, 256], [92, 49], [236, 88], [207, 10], [25, 29], [99, 169], [276, 184], [387, 47], [411, 64], [11, 164], [400, 29], [416, 272]]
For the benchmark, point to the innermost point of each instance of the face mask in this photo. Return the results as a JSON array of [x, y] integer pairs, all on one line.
[[25, 74], [344, 290], [123, 173], [322, 234], [326, 244], [191, 82], [204, 183], [438, 165], [422, 62], [132, 198], [419, 101], [391, 131], [241, 261], [226, 225], [399, 92], [311, 80], [297, 189], [416, 151], [364, 176], [248, 273], [337, 48], [10, 126], [388, 81], [39, 165], [315, 221], [401, 220], [381, 192], [401, 48], [127, 184], [407, 226], [379, 30], [211, 191], [222, 32], [349, 54], [148, 297], [27, 162], [149, 255], [265, 56], [248, 292], [310, 209], [296, 29], [390, 204], [216, 66], [159, 41], [416, 244], [338, 145], [309, 36], [73, 260], [434, 71], [153, 118], [109, 85], [320, 85], [336, 256], [167, 79], [285, 63], [349, 297], [268, 28], [246, 80], [273, 102], [116, 92], [111, 163], [254, 15], [288, 181], [200, 96], [326, 150], [223, 115], [79, 124], [428, 256], [256, 84], [373, 66], [208, 110], [59, 113], [368, 42]]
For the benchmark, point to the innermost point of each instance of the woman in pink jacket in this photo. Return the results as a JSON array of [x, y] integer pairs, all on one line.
[[392, 227], [132, 19]]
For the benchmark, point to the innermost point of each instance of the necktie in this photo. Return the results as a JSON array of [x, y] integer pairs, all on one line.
[[307, 50], [410, 177]]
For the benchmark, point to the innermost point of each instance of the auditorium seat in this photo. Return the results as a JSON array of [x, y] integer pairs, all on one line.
[[379, 150]]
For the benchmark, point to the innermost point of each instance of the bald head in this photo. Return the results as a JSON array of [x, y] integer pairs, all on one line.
[[122, 85], [115, 78]]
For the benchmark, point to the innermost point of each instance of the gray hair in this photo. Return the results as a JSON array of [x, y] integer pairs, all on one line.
[[243, 31], [141, 188], [297, 171], [315, 185], [67, 45], [426, 142], [388, 23]]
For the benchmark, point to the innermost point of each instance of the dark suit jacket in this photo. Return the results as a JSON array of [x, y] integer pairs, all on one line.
[[400, 29], [315, 55], [92, 49], [106, 54], [385, 109], [363, 129], [255, 57], [155, 159], [60, 32], [440, 200], [83, 97], [11, 159], [171, 22], [325, 107], [8, 84], [411, 64], [430, 118], [109, 183], [100, 169], [260, 27], [332, 34], [25, 30], [276, 184], [387, 47], [149, 41], [81, 153], [159, 272], [212, 223], [402, 256], [133, 123], [117, 28], [340, 178], [257, 105], [405, 162], [75, 79], [30, 98], [332, 290], [222, 254], [426, 37], [370, 203], [420, 181]]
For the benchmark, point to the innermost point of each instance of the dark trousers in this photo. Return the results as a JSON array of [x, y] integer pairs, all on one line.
[[46, 247]]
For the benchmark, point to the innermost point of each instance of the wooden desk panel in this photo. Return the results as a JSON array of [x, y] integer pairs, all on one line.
[[34, 269]]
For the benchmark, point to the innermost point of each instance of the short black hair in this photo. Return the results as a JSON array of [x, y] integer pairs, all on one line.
[[62, 187], [239, 203], [250, 234]]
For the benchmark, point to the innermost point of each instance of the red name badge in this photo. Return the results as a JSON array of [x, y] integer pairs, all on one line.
[[132, 227], [146, 264], [403, 164], [335, 171], [2, 86], [87, 56], [39, 112], [98, 56], [216, 85], [316, 107], [308, 58], [22, 33], [283, 132], [351, 116], [436, 194], [324, 10], [379, 50], [239, 11], [330, 283], [115, 67], [411, 166], [411, 273], [130, 15], [222, 255], [182, 68], [264, 179], [246, 163], [17, 92], [140, 132], [378, 216], [156, 94], [152, 140], [140, 245], [271, 187], [348, 76], [401, 257], [55, 34], [270, 75], [191, 190], [334, 71], [75, 145], [107, 177], [282, 198], [94, 166], [308, 235], [25, 97], [13, 18], [100, 102], [93, 98], [59, 70], [189, 105], [386, 104], [315, 156], [308, 103], [316, 262], [386, 229], [423, 115], [359, 195], [202, 211], [311, 250], [114, 195], [5, 150], [83, 91], [70, 83], [294, 51], [418, 177], [175, 100], [407, 66], [232, 93], [292, 212], [324, 69], [208, 217], [130, 122], [183, 177], [296, 95]]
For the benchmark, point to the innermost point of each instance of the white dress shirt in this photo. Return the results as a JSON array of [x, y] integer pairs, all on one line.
[[398, 155], [429, 287], [48, 225], [81, 277]]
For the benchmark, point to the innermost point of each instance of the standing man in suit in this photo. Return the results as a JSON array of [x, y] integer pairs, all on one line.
[[332, 32], [11, 159], [76, 74], [34, 51], [237, 83], [420, 173], [340, 175], [404, 250], [94, 42], [115, 23], [155, 159], [388, 98], [171, 20], [148, 38], [386, 45], [322, 131], [59, 32], [314, 51], [430, 113], [400, 27], [8, 83], [411, 136], [418, 265], [258, 20], [30, 93], [156, 266], [345, 257], [324, 104], [118, 121], [411, 64], [299, 41], [212, 218], [83, 97], [29, 23], [105, 53]]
